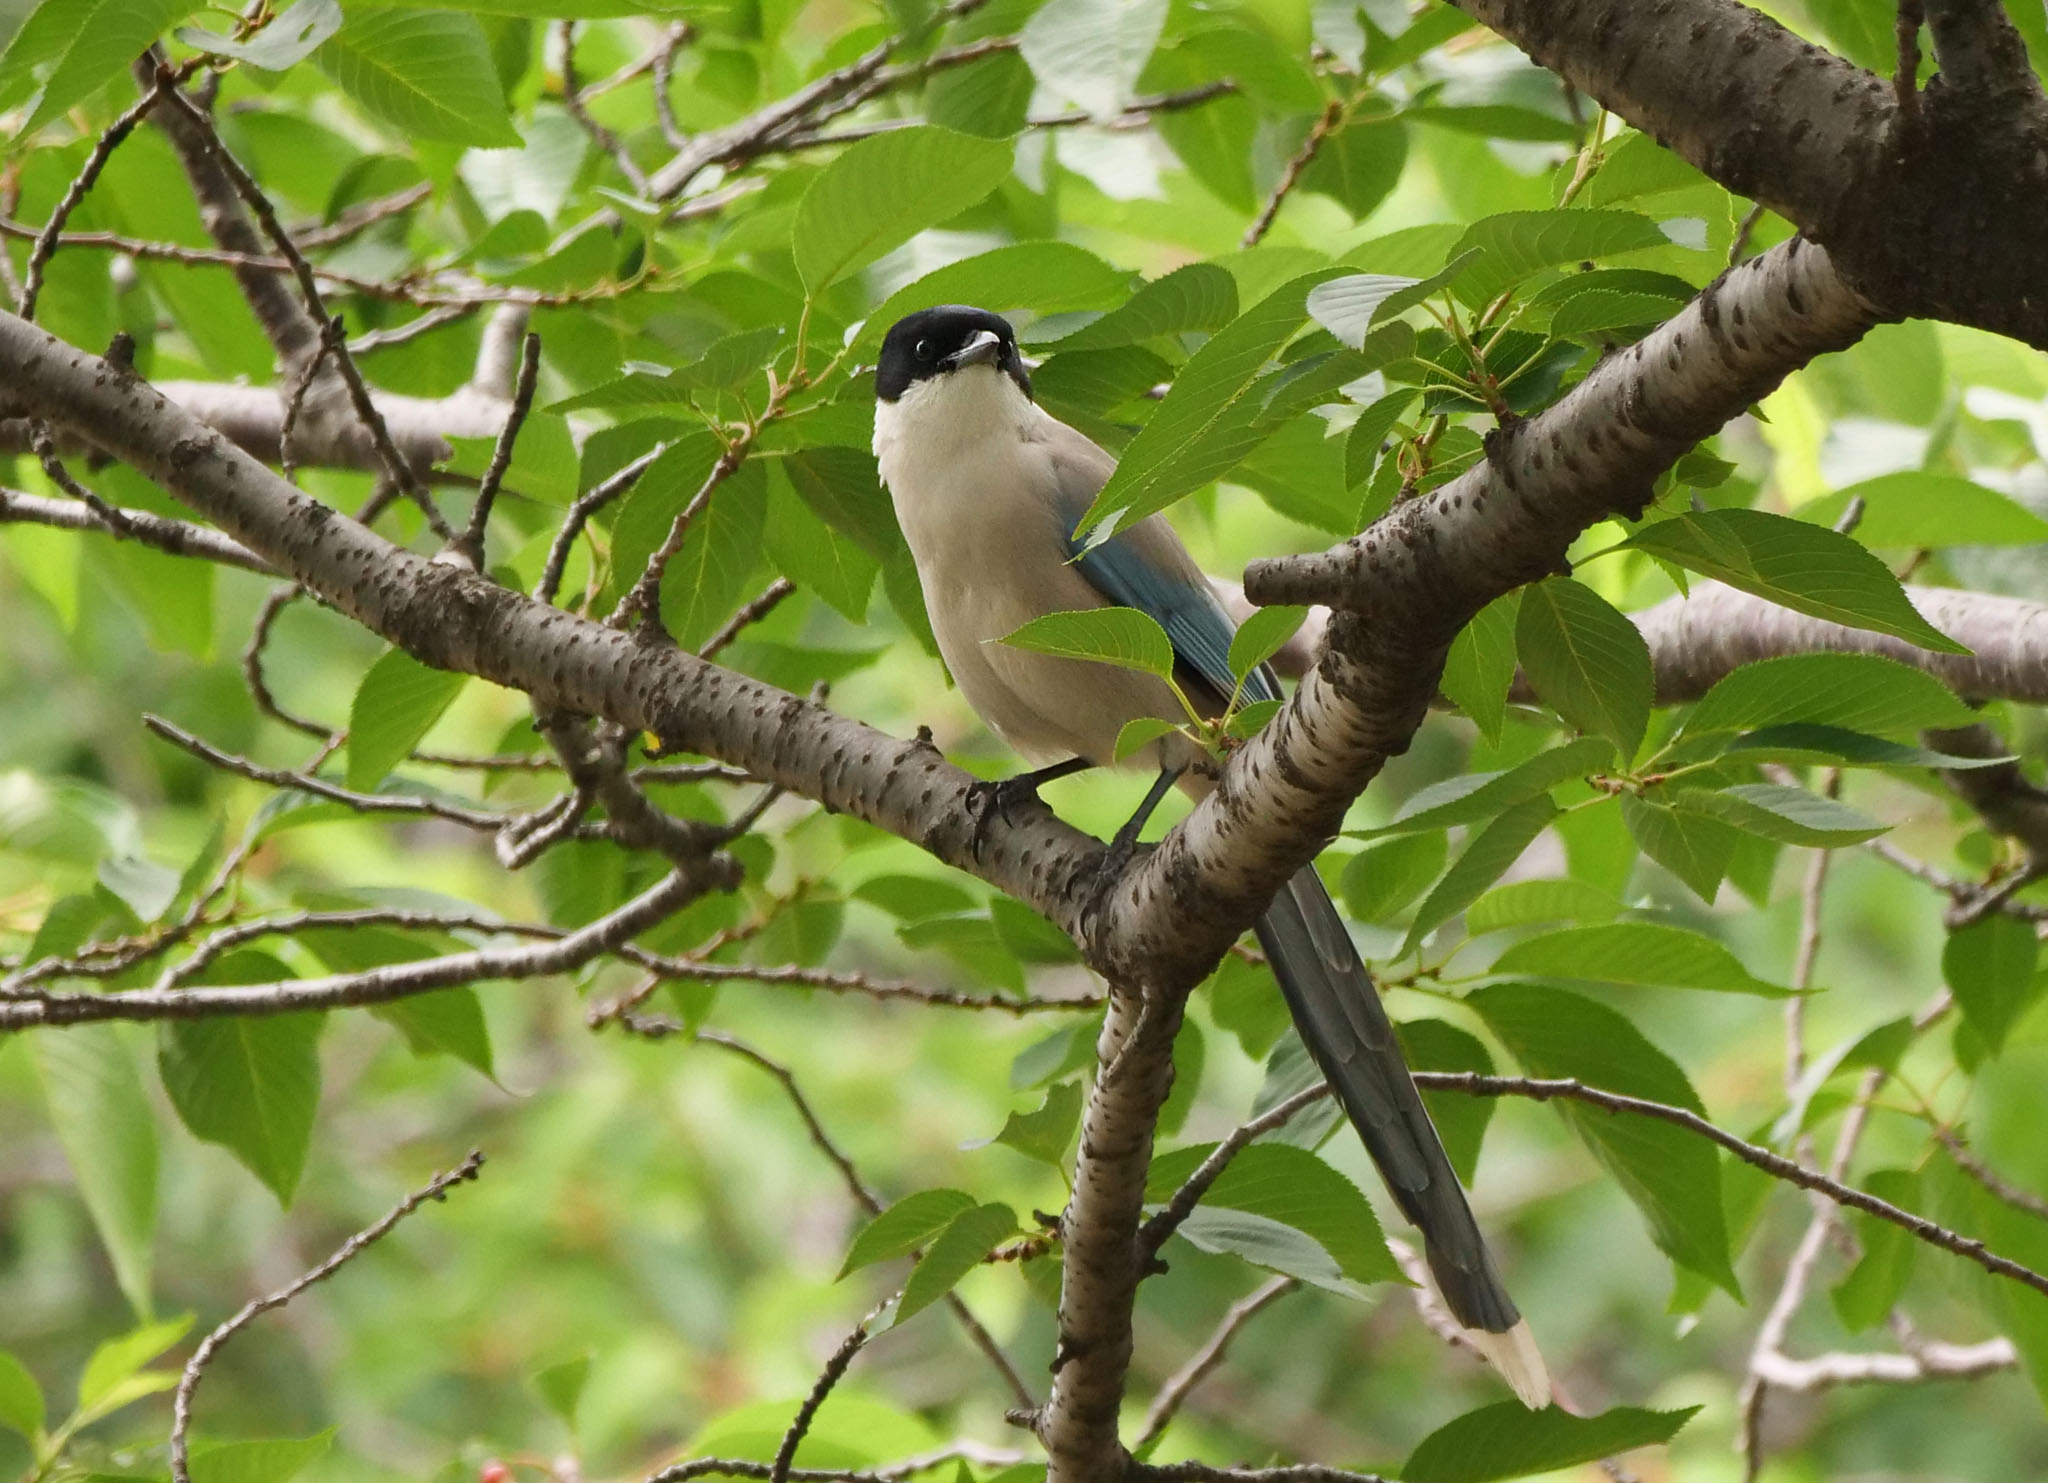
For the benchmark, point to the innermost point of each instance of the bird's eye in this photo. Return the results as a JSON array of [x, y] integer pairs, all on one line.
[[924, 350]]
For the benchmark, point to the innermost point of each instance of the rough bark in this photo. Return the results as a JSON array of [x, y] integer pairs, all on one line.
[[1937, 215], [1698, 640]]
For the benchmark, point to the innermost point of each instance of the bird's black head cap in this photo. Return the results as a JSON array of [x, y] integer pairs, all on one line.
[[933, 342]]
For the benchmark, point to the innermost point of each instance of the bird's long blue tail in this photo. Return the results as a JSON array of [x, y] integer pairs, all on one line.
[[1346, 1029]]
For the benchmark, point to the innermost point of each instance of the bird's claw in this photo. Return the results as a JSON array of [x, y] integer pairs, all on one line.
[[989, 800]]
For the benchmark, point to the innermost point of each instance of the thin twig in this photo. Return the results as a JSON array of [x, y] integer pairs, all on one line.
[[395, 464], [46, 241], [45, 448], [302, 385], [390, 982], [1174, 1393], [1985, 1175], [573, 100], [349, 1250], [1738, 248], [800, 1426], [1333, 115], [642, 603], [586, 505], [1202, 1472], [868, 1201], [174, 537], [471, 541], [752, 613], [1774, 1164], [482, 820], [1152, 1235]]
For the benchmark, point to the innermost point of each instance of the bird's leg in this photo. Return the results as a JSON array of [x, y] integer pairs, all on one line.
[[1125, 842], [985, 800]]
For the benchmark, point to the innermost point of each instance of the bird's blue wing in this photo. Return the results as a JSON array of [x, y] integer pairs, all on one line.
[[1201, 631]]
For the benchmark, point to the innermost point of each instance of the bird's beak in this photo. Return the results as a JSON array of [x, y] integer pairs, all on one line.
[[983, 350]]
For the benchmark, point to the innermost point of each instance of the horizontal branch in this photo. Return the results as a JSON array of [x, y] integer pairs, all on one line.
[[381, 985], [1697, 640], [173, 537], [1932, 1361], [1774, 1164]]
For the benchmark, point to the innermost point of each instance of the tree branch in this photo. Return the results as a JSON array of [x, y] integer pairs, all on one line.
[[348, 1251]]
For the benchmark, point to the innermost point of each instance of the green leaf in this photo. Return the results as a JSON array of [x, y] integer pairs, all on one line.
[[251, 1085], [1199, 296], [1859, 692], [1672, 1176], [1990, 966], [1261, 636], [953, 1253], [1349, 307], [711, 573], [1294, 1187], [1516, 244], [1806, 568], [291, 37], [1802, 741], [1778, 812], [1090, 52], [843, 489], [1475, 796], [904, 1226], [1123, 637], [143, 886], [427, 73], [271, 1460], [85, 45], [560, 1387], [1691, 846], [1507, 1440], [1383, 878], [1044, 277], [1359, 165], [1243, 1002], [1598, 314], [1491, 852], [1919, 509], [21, 1399], [1586, 661], [814, 555], [1136, 735], [884, 190], [1044, 1133], [117, 1360], [1526, 903], [1873, 1287], [103, 1119], [1210, 418], [1481, 665], [1647, 953], [1267, 1243], [445, 1022], [397, 704]]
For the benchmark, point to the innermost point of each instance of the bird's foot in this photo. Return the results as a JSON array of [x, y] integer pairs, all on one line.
[[1123, 845], [1000, 798]]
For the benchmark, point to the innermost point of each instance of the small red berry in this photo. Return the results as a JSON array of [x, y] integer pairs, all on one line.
[[494, 1472]]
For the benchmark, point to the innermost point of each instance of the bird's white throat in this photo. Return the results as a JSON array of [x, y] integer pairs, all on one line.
[[922, 438]]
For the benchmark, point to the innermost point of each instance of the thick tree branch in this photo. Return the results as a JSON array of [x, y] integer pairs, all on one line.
[[1942, 219], [1698, 640]]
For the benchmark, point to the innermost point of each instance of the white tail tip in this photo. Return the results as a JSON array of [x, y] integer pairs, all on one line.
[[1520, 1363]]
